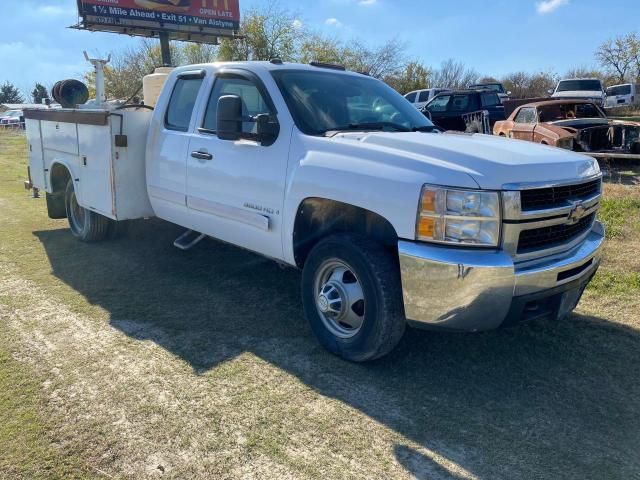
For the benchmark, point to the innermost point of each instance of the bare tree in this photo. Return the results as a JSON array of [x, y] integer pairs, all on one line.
[[526, 85], [518, 84], [454, 75], [540, 84], [619, 56]]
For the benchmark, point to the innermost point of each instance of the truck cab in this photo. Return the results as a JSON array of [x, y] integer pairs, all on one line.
[[391, 222]]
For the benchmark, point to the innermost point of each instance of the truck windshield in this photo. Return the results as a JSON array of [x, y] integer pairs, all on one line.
[[322, 102], [579, 85]]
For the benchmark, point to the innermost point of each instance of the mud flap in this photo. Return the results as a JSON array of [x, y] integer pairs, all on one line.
[[55, 205]]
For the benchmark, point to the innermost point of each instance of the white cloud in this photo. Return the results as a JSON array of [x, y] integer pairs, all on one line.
[[297, 24], [548, 6], [334, 22], [367, 2]]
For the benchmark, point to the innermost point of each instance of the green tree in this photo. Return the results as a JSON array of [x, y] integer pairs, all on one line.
[[123, 76], [415, 76], [265, 33], [196, 53], [10, 94], [39, 93]]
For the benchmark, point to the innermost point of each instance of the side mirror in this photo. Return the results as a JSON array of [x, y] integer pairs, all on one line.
[[267, 129], [229, 117], [509, 93], [550, 91]]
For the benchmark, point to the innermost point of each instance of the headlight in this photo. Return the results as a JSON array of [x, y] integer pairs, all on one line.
[[460, 217], [565, 143]]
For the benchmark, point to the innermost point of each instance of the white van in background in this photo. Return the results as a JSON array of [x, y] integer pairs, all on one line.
[[622, 95], [420, 98]]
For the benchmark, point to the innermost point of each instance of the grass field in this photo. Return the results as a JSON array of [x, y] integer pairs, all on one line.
[[131, 359]]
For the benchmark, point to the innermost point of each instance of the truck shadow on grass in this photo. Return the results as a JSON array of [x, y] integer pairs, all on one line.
[[541, 400]]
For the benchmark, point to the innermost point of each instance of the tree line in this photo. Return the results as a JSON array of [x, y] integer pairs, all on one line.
[[12, 95], [272, 32]]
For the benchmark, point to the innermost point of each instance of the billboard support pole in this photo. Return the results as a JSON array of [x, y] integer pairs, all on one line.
[[165, 49]]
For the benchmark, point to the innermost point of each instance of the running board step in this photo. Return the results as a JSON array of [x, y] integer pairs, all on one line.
[[188, 240]]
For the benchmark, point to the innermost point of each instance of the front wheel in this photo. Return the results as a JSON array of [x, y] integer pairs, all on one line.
[[86, 226], [352, 297]]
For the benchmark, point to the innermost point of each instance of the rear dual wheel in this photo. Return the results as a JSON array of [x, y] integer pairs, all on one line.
[[352, 297], [86, 226]]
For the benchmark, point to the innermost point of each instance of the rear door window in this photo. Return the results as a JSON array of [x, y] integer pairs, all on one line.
[[460, 103], [411, 96], [424, 96], [489, 99], [183, 100]]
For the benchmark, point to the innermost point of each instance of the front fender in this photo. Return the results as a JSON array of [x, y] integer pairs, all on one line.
[[393, 199]]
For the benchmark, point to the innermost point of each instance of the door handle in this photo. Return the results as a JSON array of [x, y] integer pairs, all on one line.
[[202, 155]]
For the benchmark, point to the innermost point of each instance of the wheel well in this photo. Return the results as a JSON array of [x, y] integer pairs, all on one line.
[[317, 218], [60, 176]]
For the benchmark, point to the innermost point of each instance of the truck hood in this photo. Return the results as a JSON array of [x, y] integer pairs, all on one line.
[[493, 162]]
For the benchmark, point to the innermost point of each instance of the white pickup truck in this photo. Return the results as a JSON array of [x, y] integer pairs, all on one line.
[[391, 221]]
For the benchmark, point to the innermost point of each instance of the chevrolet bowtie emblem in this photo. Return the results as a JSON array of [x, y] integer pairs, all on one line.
[[577, 212]]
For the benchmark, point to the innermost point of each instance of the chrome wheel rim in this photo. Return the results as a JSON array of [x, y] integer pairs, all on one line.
[[77, 214], [339, 298]]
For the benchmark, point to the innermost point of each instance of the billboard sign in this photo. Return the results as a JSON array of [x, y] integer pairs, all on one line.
[[182, 19]]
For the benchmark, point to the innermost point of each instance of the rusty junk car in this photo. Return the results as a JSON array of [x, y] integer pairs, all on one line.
[[577, 125]]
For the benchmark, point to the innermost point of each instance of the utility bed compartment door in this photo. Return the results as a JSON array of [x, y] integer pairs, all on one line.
[[36, 155], [95, 184], [61, 136]]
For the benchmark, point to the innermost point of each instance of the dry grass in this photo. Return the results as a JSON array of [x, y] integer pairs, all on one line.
[[131, 359]]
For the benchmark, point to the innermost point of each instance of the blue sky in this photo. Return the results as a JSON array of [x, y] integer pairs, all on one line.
[[493, 36]]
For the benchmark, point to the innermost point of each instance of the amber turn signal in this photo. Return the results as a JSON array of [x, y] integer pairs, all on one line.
[[426, 227]]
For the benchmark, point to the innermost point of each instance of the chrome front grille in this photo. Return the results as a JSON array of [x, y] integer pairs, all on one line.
[[550, 197], [546, 237], [544, 220]]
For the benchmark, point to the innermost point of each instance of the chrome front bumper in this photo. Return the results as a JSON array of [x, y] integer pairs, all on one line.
[[474, 290]]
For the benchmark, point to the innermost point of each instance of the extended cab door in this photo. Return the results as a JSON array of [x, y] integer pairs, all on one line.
[[168, 144], [524, 124], [236, 188]]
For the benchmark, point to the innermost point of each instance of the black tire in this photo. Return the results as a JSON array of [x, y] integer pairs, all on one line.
[[86, 226], [377, 274]]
